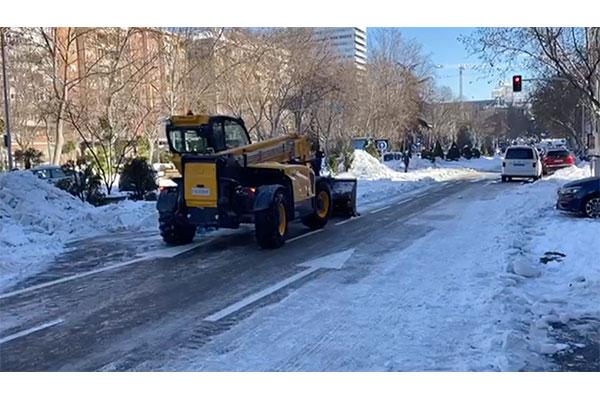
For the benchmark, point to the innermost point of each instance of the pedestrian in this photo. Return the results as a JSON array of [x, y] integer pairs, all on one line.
[[406, 160]]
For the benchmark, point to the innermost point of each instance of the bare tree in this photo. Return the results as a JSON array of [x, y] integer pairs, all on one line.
[[395, 86], [111, 124], [558, 106], [571, 53], [443, 112], [60, 55]]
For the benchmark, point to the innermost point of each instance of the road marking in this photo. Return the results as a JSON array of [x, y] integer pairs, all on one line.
[[347, 220], [380, 209], [71, 278], [330, 261], [404, 201], [235, 307], [160, 253], [304, 235], [31, 330]]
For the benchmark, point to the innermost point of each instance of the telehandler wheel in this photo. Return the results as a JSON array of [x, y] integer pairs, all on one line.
[[174, 232], [323, 207], [271, 225]]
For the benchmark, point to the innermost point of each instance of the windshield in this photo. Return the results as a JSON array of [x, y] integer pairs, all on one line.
[[558, 153], [519, 154], [190, 140]]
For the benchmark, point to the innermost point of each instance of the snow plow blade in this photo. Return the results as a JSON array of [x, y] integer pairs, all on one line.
[[343, 194]]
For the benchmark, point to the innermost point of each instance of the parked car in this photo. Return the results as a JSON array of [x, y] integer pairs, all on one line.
[[581, 196], [50, 173], [521, 162], [556, 159]]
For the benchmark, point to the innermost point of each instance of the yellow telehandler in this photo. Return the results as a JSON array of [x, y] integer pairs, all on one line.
[[226, 180]]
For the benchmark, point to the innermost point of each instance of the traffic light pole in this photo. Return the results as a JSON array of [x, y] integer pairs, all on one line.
[[6, 105]]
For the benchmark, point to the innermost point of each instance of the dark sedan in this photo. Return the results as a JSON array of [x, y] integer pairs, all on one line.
[[582, 196]]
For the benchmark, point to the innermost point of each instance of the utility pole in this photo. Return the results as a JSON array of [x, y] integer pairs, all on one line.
[[6, 105], [460, 82]]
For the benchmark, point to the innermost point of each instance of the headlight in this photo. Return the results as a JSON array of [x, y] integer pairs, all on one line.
[[570, 190]]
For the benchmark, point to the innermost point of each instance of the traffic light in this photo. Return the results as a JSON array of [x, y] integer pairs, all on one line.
[[517, 82]]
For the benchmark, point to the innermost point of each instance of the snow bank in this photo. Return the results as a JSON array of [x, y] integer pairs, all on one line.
[[484, 164], [365, 166], [380, 183], [37, 219], [551, 270], [580, 171]]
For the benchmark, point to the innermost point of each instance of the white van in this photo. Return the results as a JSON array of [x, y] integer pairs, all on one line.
[[521, 162]]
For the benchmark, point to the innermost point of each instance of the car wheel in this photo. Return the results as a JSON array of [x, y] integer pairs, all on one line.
[[591, 208]]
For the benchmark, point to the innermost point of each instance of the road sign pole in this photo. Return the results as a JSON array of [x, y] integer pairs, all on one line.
[[6, 105]]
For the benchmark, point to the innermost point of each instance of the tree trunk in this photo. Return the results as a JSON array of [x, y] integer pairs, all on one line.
[[50, 154], [59, 139], [151, 150]]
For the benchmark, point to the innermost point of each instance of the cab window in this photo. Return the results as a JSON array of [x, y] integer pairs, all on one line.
[[190, 140], [235, 134]]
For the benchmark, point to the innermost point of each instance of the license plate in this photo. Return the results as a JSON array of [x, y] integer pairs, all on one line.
[[518, 165], [201, 191]]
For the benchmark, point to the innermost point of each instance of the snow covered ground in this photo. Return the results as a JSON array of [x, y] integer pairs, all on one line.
[[472, 295], [37, 219], [379, 184]]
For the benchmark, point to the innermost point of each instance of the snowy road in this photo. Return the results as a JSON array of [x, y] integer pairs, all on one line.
[[363, 294], [121, 317]]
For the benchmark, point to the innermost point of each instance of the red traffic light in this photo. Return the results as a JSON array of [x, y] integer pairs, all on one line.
[[517, 83]]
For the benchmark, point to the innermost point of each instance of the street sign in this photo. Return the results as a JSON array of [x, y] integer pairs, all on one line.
[[382, 144]]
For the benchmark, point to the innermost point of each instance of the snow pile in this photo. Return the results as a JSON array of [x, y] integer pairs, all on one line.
[[37, 219], [484, 164], [367, 167], [378, 183], [580, 171]]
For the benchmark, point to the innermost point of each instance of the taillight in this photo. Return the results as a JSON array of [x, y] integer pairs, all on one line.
[[250, 192], [534, 164], [503, 163], [570, 160]]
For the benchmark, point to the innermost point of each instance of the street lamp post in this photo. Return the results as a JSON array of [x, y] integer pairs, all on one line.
[[6, 105]]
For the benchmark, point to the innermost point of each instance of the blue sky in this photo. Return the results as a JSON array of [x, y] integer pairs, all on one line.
[[444, 48]]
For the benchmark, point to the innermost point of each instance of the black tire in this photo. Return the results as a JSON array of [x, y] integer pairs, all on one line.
[[173, 232], [323, 207], [591, 207], [270, 229]]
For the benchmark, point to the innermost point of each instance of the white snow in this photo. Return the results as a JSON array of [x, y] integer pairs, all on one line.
[[37, 219], [382, 183], [470, 295]]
